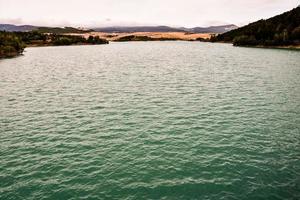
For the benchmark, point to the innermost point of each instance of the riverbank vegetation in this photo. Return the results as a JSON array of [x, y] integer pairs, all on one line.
[[35, 38], [10, 45], [72, 39], [281, 30], [13, 43]]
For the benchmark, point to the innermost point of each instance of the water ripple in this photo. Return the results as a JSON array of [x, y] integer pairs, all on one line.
[[150, 120]]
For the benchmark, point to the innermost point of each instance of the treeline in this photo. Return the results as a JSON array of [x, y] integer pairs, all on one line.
[[72, 39], [129, 38], [37, 38], [280, 30], [13, 43]]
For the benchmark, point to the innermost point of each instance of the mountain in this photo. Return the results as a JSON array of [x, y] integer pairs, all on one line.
[[214, 29], [117, 29], [26, 28], [131, 29], [282, 29], [14, 28]]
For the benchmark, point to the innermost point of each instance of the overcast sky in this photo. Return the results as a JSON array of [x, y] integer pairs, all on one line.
[[92, 13]]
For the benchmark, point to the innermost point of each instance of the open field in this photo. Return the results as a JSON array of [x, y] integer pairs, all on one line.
[[155, 35]]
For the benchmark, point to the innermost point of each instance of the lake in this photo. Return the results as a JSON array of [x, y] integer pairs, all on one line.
[[150, 120]]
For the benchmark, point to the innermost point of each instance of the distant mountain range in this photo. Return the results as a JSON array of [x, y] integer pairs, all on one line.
[[131, 29], [119, 29], [26, 28], [14, 28]]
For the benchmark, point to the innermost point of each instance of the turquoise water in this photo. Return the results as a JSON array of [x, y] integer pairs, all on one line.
[[150, 120]]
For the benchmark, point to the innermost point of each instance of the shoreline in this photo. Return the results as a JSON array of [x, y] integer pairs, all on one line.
[[288, 47], [53, 45]]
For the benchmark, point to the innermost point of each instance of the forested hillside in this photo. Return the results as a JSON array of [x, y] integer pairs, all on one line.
[[282, 29]]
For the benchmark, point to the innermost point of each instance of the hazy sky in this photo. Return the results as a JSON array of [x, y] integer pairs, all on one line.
[[91, 13]]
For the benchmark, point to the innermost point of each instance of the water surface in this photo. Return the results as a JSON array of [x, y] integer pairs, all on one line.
[[150, 120]]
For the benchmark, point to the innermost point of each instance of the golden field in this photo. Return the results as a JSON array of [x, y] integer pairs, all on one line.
[[156, 35]]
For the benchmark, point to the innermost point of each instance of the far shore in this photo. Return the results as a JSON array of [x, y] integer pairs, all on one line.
[[99, 38], [205, 36], [52, 45], [151, 35]]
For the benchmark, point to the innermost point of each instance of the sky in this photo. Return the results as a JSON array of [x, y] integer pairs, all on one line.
[[177, 13]]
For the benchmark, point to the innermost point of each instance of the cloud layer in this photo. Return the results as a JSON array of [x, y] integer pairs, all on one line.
[[93, 13]]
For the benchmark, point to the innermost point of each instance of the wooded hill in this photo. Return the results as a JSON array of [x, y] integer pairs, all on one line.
[[280, 30]]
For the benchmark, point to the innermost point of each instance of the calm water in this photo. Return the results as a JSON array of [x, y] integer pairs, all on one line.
[[150, 120]]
